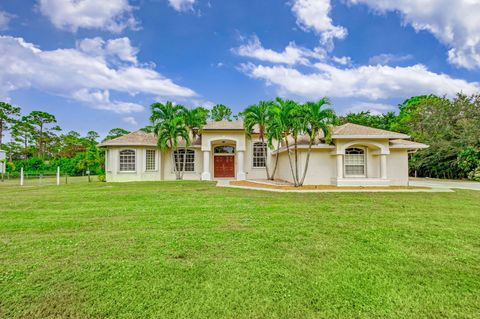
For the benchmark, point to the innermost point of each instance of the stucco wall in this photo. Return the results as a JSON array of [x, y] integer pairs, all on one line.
[[397, 167], [112, 162]]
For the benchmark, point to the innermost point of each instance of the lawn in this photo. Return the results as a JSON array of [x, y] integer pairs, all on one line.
[[190, 250]]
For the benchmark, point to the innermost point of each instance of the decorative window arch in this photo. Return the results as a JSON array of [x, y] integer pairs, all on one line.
[[189, 159], [355, 162], [127, 161], [259, 155], [224, 149]]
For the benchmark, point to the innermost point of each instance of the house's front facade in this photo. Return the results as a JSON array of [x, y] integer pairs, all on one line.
[[357, 156]]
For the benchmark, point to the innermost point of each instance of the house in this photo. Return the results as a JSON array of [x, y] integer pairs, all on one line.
[[357, 156]]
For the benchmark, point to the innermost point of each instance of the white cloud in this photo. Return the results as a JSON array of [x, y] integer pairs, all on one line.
[[111, 15], [454, 22], [292, 54], [344, 60], [315, 14], [130, 120], [5, 18], [371, 82], [182, 5], [88, 73], [387, 58], [373, 108]]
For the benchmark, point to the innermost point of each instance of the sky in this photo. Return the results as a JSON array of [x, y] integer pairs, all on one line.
[[97, 65]]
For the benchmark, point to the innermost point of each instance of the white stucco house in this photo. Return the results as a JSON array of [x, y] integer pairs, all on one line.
[[357, 156]]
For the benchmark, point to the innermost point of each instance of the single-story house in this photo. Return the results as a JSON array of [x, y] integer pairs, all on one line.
[[357, 156]]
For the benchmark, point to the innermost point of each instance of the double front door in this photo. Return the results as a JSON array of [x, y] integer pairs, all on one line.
[[224, 166]]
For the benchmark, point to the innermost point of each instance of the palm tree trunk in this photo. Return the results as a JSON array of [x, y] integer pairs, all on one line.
[[183, 162], [290, 161], [266, 156], [296, 160], [276, 161], [308, 159]]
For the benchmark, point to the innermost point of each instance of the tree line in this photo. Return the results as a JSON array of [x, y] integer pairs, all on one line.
[[450, 126]]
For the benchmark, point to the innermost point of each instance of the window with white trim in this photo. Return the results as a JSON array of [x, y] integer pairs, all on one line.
[[189, 156], [151, 160], [127, 161], [259, 155], [355, 162]]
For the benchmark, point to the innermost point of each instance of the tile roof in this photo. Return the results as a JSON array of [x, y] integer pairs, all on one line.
[[137, 138], [399, 143], [227, 126], [354, 130]]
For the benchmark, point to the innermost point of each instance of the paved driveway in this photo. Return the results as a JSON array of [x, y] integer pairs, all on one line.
[[435, 183]]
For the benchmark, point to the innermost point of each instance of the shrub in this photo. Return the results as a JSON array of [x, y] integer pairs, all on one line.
[[475, 175], [102, 178]]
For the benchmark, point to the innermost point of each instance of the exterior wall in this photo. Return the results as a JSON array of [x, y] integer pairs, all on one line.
[[256, 172], [283, 171], [397, 167], [112, 168]]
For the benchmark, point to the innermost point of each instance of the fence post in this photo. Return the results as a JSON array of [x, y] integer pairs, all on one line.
[[21, 176], [58, 175], [66, 178]]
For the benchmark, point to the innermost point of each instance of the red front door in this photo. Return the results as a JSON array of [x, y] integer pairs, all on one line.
[[224, 166]]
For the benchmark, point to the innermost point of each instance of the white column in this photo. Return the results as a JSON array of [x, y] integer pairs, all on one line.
[[21, 176], [339, 166], [241, 176], [383, 166], [58, 175], [206, 176]]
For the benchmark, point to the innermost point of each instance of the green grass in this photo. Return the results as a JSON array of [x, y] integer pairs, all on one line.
[[190, 250]]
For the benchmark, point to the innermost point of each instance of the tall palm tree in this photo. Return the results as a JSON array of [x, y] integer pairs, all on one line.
[[283, 110], [169, 132], [257, 115], [168, 121], [317, 118], [274, 132], [195, 119]]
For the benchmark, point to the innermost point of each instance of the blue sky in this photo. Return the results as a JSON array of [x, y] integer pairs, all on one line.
[[98, 65]]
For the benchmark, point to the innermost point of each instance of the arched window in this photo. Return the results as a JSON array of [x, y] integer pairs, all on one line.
[[224, 149], [189, 156], [355, 162], [127, 161], [259, 154]]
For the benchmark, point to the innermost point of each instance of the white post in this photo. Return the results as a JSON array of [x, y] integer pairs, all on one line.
[[58, 175], [339, 166], [383, 166], [206, 176], [21, 176], [241, 176]]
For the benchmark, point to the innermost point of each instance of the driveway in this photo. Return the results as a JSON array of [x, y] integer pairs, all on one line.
[[437, 183]]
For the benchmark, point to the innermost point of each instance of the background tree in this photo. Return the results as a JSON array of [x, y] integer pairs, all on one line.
[[195, 119], [114, 133], [42, 133], [8, 116], [221, 112], [22, 133]]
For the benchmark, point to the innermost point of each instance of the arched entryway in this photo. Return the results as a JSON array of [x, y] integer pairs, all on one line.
[[224, 161]]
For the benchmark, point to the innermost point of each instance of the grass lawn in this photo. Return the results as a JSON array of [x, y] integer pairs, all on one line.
[[190, 250]]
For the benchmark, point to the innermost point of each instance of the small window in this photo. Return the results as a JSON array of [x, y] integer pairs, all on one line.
[[355, 162], [259, 154], [189, 156], [151, 160], [127, 161], [224, 150]]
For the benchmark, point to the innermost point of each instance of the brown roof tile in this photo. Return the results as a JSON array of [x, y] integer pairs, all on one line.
[[399, 143], [137, 138], [354, 130]]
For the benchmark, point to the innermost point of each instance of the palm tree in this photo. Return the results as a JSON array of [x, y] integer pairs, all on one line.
[[283, 110], [169, 132], [257, 114], [317, 119], [274, 131], [195, 119], [169, 125]]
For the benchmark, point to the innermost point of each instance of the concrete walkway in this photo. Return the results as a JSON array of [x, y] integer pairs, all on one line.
[[226, 183], [446, 184]]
